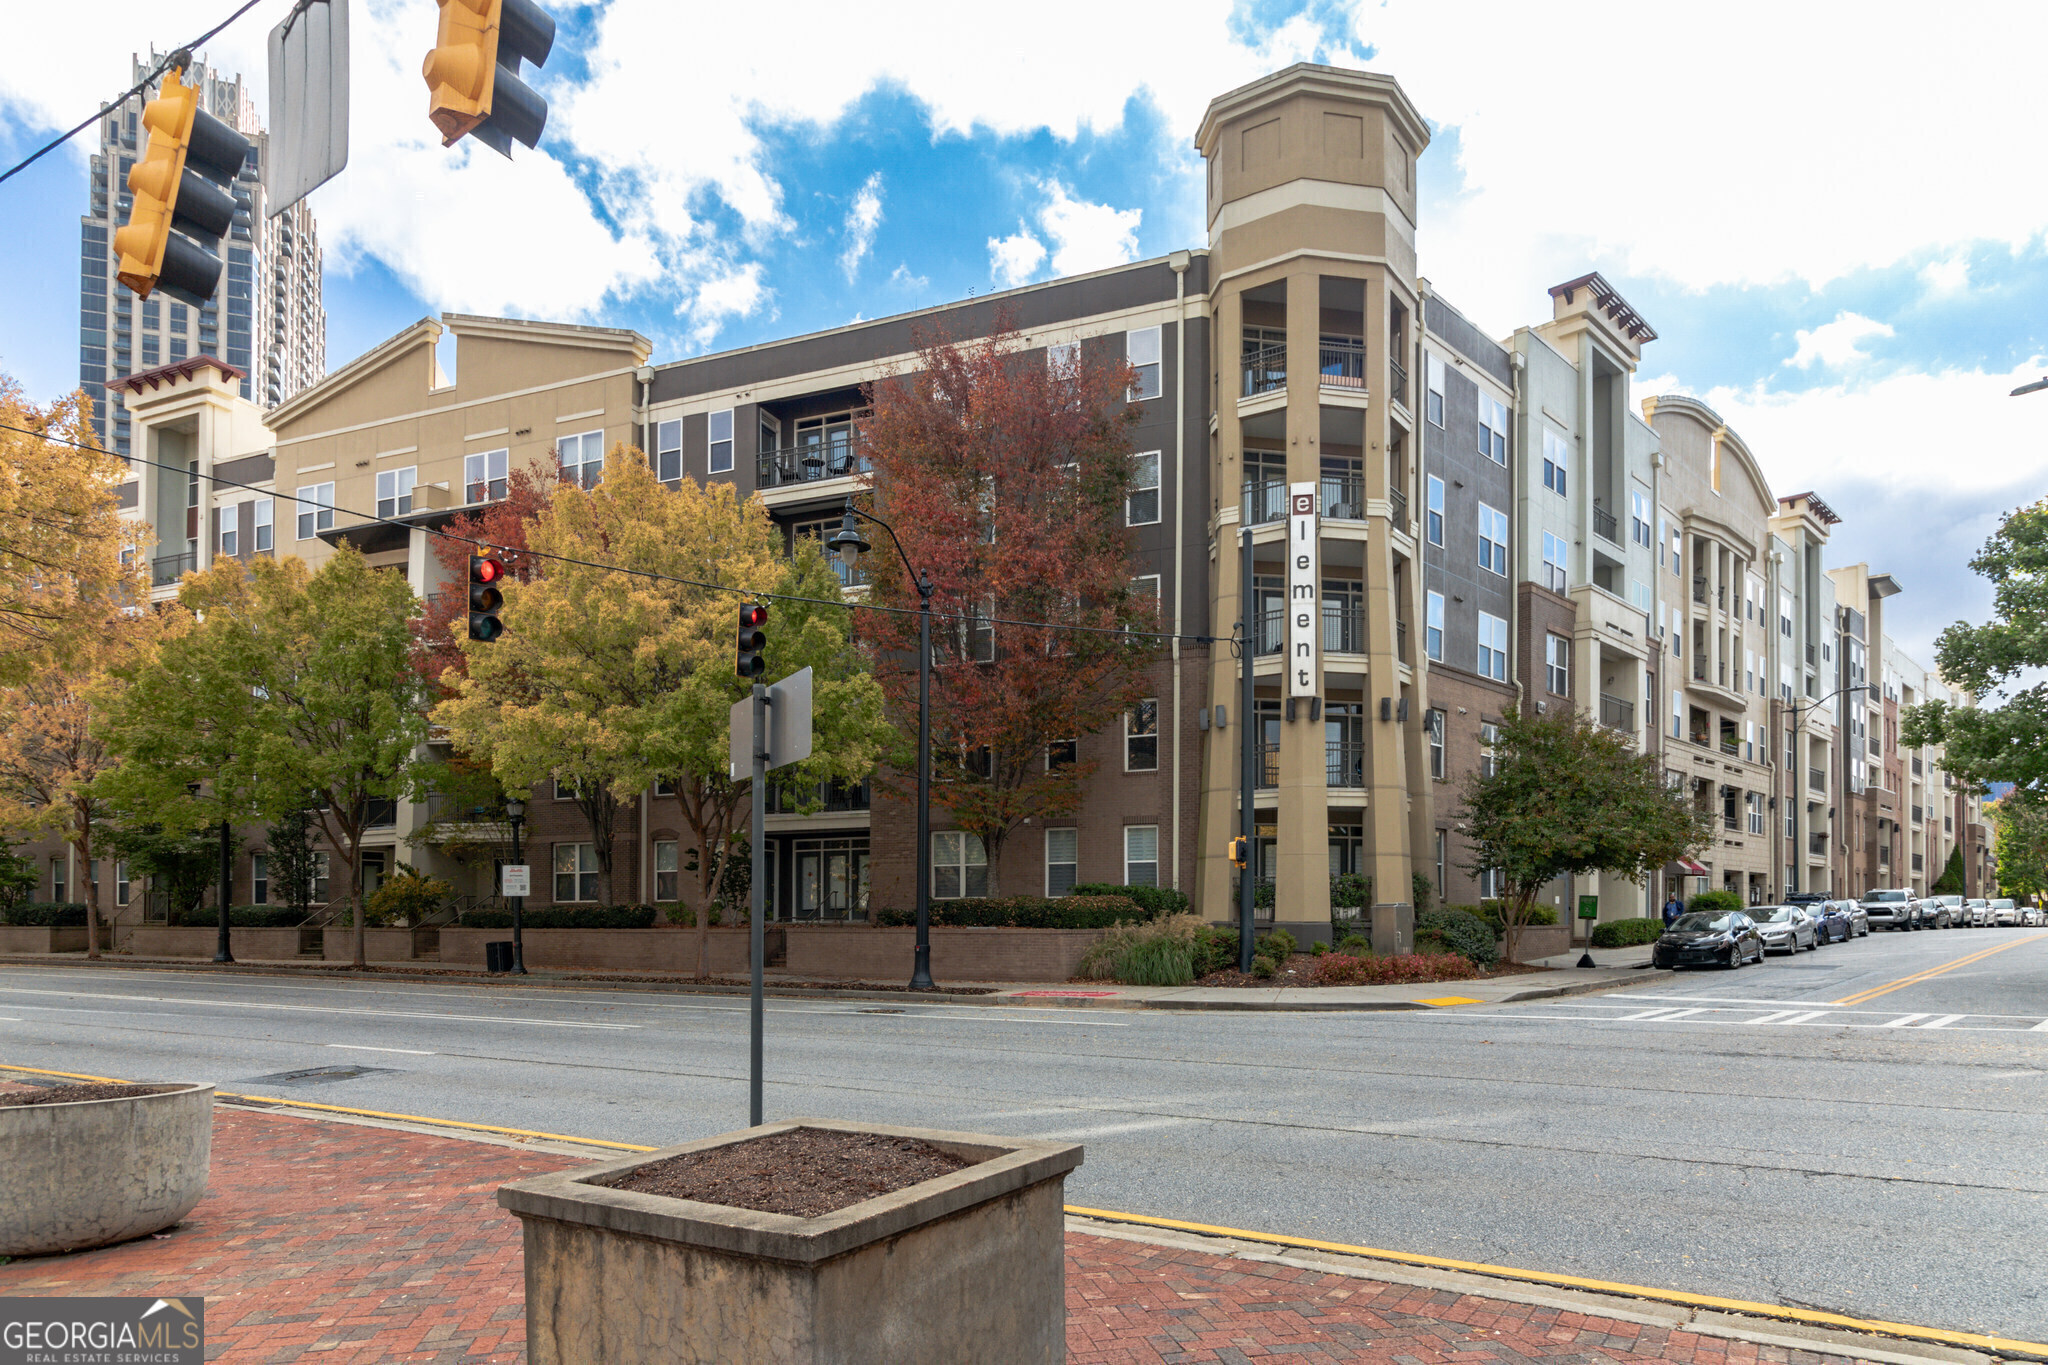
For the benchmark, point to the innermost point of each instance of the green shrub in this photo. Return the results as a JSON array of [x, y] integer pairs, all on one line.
[[1262, 896], [406, 897], [1277, 944], [239, 917], [46, 915], [1318, 948], [563, 917], [1495, 914], [1351, 890], [1711, 903], [1159, 961], [1429, 941], [1155, 901], [1263, 968], [1425, 892], [1161, 952], [1630, 933], [675, 912], [1357, 945], [1215, 949], [1027, 912], [1342, 969], [1463, 933]]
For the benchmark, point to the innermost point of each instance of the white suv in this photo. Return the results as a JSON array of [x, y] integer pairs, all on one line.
[[1890, 908], [2004, 911]]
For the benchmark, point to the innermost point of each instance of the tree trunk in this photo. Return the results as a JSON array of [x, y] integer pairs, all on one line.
[[83, 844]]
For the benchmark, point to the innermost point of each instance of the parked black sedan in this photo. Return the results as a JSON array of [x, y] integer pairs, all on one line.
[[1831, 918], [1705, 939]]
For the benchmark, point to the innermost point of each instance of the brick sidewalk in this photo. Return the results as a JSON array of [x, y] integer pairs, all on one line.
[[417, 1262]]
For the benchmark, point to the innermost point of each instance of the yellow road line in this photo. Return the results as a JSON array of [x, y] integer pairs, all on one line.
[[1916, 978], [368, 1113], [2003, 1345]]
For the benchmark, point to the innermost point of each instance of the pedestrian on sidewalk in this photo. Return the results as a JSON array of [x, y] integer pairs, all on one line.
[[1673, 908]]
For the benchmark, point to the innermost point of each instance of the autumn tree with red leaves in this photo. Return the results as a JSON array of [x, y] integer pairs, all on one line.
[[500, 525], [1006, 478]]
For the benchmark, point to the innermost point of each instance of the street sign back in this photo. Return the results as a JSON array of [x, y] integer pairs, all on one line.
[[789, 725], [308, 101]]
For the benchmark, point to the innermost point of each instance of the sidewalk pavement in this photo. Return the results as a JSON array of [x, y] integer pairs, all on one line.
[[352, 1243], [1637, 956], [1496, 990]]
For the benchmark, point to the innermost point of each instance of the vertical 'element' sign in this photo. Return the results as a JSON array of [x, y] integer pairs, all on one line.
[[1304, 590]]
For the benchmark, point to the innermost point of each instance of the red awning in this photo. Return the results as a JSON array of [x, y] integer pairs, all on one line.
[[1691, 868]]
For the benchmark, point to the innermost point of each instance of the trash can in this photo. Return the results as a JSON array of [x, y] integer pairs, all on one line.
[[498, 956]]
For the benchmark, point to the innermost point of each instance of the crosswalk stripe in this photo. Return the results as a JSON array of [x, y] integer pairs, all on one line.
[[1944, 1021], [1774, 1017], [1904, 1020], [2041, 1027], [1803, 1016]]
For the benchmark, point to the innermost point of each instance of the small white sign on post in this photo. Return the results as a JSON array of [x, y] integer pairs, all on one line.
[[518, 878]]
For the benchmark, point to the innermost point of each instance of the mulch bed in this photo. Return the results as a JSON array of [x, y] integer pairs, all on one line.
[[68, 1094], [805, 1172]]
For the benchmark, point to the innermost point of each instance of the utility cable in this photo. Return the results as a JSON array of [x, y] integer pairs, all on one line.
[[179, 57], [374, 519]]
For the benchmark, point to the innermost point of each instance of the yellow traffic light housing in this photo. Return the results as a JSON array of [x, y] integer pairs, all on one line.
[[183, 205], [1240, 852], [472, 74], [154, 183]]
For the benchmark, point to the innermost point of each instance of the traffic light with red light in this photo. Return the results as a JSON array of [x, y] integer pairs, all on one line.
[[184, 203], [485, 598], [753, 639], [473, 72]]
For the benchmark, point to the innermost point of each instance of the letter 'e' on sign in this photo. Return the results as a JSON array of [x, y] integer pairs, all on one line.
[[1304, 591]]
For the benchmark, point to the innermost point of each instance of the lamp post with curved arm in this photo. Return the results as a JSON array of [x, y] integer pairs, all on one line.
[[850, 545]]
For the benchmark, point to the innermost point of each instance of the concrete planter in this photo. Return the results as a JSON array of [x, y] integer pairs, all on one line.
[[959, 953], [968, 1266], [93, 1172]]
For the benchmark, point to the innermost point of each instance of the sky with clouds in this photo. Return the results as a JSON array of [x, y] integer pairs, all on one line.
[[1831, 212]]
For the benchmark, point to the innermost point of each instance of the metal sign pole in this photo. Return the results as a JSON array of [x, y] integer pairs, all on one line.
[[757, 900]]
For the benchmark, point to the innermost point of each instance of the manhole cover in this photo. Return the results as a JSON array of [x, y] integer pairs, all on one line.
[[315, 1075], [882, 1011]]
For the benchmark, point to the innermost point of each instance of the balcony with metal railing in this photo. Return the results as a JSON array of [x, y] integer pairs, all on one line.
[[1817, 845], [1343, 496], [1604, 525], [1264, 370], [1699, 591], [835, 458], [1341, 365], [1265, 502], [1269, 766], [824, 798], [1399, 374], [1401, 641], [1343, 628], [1344, 764], [1269, 632], [1617, 713], [166, 569], [1817, 779], [1397, 499]]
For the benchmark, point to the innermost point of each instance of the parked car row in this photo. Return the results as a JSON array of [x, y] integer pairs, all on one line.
[[1733, 937]]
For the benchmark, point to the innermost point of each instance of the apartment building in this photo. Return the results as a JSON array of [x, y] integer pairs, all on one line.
[[1867, 805], [1807, 705], [265, 319]]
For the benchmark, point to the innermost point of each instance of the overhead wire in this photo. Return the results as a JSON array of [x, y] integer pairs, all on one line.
[[170, 59], [374, 519]]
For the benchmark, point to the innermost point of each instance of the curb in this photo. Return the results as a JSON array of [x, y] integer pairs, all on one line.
[[1595, 987], [1284, 1006]]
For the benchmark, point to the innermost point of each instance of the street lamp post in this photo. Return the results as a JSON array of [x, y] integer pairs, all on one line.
[[515, 812], [850, 545], [222, 952]]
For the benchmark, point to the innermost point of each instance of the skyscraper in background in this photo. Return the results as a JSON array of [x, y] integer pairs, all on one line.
[[266, 317]]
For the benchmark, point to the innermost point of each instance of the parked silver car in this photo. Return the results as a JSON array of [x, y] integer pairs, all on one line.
[[1956, 907], [2005, 912], [1890, 908], [1977, 912], [1786, 928], [2033, 915]]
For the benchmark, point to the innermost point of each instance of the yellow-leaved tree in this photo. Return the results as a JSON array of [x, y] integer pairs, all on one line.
[[608, 681]]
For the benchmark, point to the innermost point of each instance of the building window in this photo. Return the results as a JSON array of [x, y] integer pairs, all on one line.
[[1493, 647], [58, 886], [1141, 855], [1062, 358], [483, 476], [228, 531], [1141, 737], [1557, 665], [1555, 576], [1141, 507], [1141, 348], [668, 450], [1489, 736], [1493, 430], [266, 513], [575, 872], [1490, 884], [394, 490], [1663, 540], [959, 865], [121, 884], [1493, 540], [1755, 802], [1639, 593], [582, 458], [1433, 370], [1678, 715], [1433, 519], [718, 459], [1443, 840], [1556, 461], [1062, 753], [1433, 627], [1062, 861], [1639, 518], [320, 882], [1785, 614], [316, 509], [1677, 552], [665, 874], [1436, 744]]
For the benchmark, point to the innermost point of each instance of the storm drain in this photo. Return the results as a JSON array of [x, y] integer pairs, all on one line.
[[316, 1075]]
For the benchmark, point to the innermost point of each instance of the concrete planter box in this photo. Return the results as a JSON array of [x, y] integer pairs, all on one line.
[[958, 954], [16, 938], [338, 944], [968, 1266], [93, 1172], [200, 940], [1543, 940], [658, 949]]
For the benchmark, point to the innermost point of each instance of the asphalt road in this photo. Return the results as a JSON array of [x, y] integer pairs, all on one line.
[[1859, 1129]]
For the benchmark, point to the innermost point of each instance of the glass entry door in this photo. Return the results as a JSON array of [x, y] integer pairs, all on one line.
[[831, 879]]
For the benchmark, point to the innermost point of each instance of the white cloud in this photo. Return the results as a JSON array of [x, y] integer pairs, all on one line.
[[1947, 277], [734, 292], [1015, 259], [1838, 345], [1086, 236], [901, 278], [861, 221]]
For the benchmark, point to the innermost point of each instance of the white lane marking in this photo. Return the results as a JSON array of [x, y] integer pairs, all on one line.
[[1906, 1020], [1641, 1015], [2041, 1027], [315, 1009], [1944, 1021], [963, 1019], [1451, 1016], [1802, 1017], [362, 1047], [1774, 1017], [1114, 1129], [1720, 1000]]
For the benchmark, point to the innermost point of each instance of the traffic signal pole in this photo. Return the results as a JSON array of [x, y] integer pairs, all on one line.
[[757, 906]]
